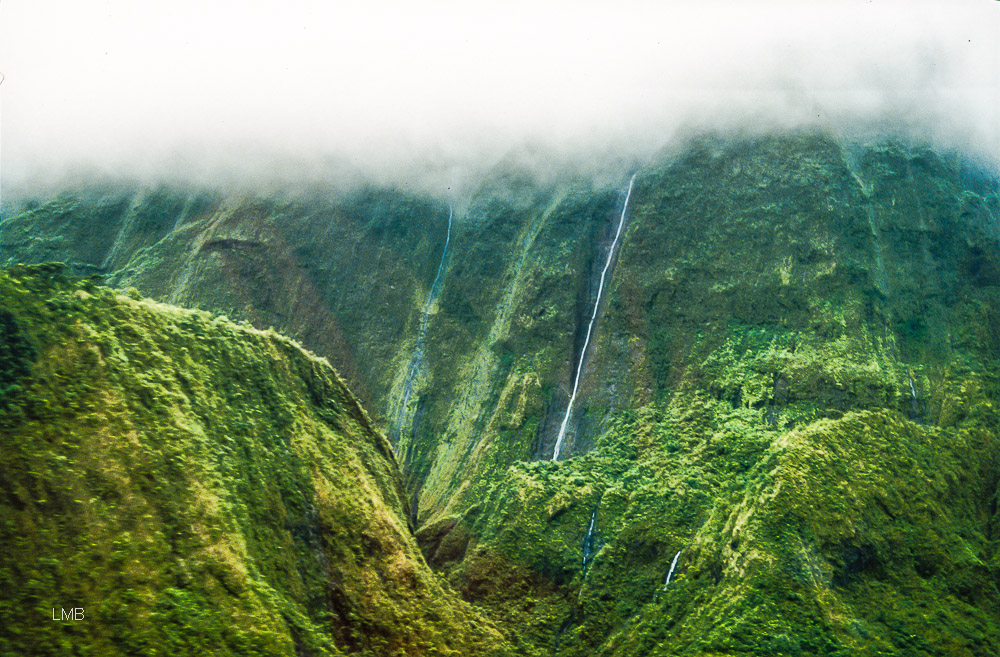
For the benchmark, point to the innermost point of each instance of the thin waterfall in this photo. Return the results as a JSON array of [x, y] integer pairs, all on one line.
[[416, 360], [673, 565], [588, 541], [435, 286], [914, 400], [588, 548], [590, 326]]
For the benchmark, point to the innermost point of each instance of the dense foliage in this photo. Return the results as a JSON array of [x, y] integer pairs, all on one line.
[[198, 488], [794, 382]]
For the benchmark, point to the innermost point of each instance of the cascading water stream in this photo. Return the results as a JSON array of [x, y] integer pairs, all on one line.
[[416, 360], [588, 541], [914, 399], [435, 286], [588, 549], [673, 565], [590, 326]]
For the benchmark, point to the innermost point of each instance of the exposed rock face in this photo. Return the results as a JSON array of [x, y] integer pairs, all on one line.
[[793, 380]]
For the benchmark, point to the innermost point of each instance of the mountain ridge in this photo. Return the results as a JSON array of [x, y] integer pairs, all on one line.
[[198, 487], [795, 328]]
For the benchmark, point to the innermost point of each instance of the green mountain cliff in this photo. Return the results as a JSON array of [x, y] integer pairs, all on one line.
[[793, 382], [197, 488]]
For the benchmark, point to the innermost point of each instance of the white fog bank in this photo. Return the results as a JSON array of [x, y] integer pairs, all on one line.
[[200, 88]]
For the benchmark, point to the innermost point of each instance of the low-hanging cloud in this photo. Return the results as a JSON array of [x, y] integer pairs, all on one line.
[[205, 89]]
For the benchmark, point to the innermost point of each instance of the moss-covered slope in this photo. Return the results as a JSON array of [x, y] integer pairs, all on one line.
[[792, 382], [794, 385], [198, 488], [303, 264]]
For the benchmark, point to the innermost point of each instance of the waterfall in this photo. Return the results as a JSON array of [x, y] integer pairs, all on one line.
[[588, 541], [435, 286], [881, 277], [590, 326], [915, 401], [673, 564], [417, 358]]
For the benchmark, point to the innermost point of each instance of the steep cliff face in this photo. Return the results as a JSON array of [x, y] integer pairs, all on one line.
[[794, 385], [350, 277], [792, 382], [197, 487], [306, 267]]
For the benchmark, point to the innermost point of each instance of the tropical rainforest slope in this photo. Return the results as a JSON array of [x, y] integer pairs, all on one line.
[[793, 381], [197, 488]]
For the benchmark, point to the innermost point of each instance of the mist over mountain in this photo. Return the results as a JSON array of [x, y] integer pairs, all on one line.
[[774, 401], [431, 94], [515, 329]]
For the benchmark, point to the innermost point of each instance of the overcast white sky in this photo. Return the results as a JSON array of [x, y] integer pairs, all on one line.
[[393, 83]]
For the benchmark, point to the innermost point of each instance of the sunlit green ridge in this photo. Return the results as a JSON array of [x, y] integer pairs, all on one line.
[[197, 487]]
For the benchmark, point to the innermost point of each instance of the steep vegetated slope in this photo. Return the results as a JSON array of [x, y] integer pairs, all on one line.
[[197, 488], [304, 266], [794, 385], [793, 382]]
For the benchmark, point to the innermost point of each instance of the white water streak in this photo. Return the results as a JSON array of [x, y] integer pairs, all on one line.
[[590, 326], [915, 400], [588, 539], [671, 572], [416, 360], [432, 296]]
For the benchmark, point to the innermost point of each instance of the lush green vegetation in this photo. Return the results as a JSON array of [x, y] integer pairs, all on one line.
[[795, 382], [796, 385], [198, 488]]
